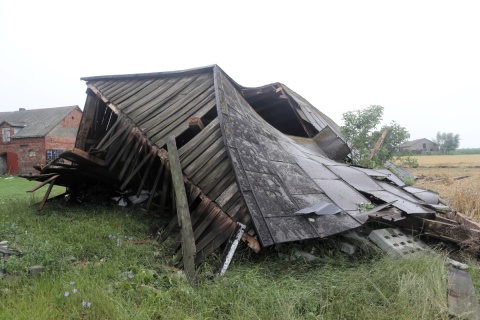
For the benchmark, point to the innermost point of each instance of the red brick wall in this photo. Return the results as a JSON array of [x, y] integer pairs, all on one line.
[[32, 151], [72, 119]]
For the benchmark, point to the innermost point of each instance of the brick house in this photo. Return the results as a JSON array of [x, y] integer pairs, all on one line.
[[31, 138]]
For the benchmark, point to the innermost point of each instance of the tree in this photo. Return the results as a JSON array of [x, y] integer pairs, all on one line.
[[359, 130], [447, 141]]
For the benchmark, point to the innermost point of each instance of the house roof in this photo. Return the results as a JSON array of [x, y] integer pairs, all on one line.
[[413, 142], [35, 122]]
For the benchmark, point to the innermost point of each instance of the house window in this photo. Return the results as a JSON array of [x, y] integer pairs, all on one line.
[[6, 134], [31, 153], [424, 146], [53, 154]]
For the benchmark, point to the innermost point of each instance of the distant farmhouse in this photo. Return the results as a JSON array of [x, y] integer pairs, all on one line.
[[419, 146], [35, 137]]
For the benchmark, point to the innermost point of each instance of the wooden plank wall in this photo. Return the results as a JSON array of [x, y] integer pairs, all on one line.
[[138, 164]]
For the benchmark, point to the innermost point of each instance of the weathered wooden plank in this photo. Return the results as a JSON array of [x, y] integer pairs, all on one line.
[[216, 227], [107, 84], [205, 210], [115, 85], [165, 188], [109, 133], [198, 110], [203, 145], [216, 242], [123, 95], [43, 183], [112, 107], [155, 184], [146, 173], [193, 144], [165, 116], [222, 184], [149, 156], [225, 197], [208, 215], [183, 126], [142, 96], [99, 83], [139, 156], [136, 148], [446, 231], [164, 95], [206, 162], [193, 193], [244, 217], [86, 121], [188, 240], [117, 136], [215, 176], [147, 107], [118, 148], [235, 210], [45, 197], [171, 225], [126, 148], [215, 152], [463, 220], [88, 157], [121, 87]]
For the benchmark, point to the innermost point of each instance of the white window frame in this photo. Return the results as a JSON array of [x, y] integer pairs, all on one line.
[[6, 134]]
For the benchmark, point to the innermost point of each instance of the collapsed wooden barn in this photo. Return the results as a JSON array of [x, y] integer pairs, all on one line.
[[261, 157]]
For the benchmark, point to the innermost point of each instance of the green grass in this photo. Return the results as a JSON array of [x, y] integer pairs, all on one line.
[[132, 281], [15, 188]]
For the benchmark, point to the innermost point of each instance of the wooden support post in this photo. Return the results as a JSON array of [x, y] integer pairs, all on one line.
[[45, 197], [188, 241], [230, 248], [44, 183]]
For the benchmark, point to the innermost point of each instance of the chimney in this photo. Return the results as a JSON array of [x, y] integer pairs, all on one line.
[[21, 109]]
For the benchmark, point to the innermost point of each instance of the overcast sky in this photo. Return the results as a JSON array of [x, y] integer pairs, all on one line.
[[420, 60]]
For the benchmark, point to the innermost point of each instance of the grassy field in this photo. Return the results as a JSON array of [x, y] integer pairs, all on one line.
[[436, 161], [100, 263], [455, 177]]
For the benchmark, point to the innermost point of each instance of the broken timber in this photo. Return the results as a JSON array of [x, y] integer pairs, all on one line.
[[188, 241], [249, 156]]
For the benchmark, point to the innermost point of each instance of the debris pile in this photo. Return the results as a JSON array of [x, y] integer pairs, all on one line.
[[225, 162]]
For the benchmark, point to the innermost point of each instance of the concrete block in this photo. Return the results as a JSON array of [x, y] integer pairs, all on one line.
[[396, 243], [347, 248]]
